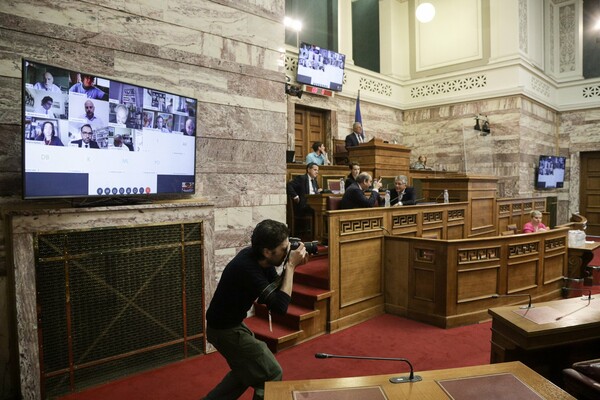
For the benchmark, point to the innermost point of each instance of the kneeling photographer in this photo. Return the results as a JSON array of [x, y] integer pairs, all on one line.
[[249, 276]]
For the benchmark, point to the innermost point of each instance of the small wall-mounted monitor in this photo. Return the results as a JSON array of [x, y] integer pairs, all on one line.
[[320, 67], [550, 172]]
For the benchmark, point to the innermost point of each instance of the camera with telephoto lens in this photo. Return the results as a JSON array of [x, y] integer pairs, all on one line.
[[311, 247]]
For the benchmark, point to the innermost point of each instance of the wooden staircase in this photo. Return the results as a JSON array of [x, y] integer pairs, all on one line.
[[307, 313]]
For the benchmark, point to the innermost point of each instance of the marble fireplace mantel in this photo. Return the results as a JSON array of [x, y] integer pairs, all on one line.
[[23, 223]]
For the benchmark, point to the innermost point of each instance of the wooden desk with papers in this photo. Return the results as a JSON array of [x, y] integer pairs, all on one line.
[[490, 382]]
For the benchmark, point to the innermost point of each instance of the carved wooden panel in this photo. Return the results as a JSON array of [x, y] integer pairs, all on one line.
[[401, 221], [553, 244], [553, 268], [425, 255], [424, 287], [360, 279], [470, 255], [504, 208], [430, 217], [476, 283], [522, 249], [360, 225], [455, 215], [521, 276]]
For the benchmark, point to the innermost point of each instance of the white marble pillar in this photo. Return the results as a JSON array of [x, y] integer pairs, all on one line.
[[394, 38], [345, 29]]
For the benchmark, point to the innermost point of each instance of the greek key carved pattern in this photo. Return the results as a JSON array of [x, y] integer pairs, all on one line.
[[523, 248], [404, 220], [517, 207], [454, 215], [435, 216], [552, 244], [540, 205], [363, 225], [465, 256], [527, 207], [425, 255], [504, 208]]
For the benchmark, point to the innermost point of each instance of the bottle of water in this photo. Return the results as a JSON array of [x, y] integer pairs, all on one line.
[[387, 198], [342, 186], [446, 196]]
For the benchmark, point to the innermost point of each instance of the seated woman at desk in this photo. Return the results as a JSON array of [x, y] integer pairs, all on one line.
[[354, 171], [535, 225]]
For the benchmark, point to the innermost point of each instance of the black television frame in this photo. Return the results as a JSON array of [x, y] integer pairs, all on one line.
[[164, 185], [550, 172], [332, 57]]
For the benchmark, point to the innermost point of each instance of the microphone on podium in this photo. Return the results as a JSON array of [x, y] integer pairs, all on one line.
[[585, 292], [528, 306], [396, 379]]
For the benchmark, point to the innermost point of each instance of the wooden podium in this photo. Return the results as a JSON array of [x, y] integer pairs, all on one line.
[[384, 159]]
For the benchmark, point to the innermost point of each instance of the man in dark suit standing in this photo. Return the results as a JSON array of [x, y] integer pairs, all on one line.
[[86, 138], [301, 186], [354, 197], [357, 136], [402, 195]]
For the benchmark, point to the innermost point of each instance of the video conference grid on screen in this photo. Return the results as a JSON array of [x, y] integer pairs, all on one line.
[[320, 67], [89, 136], [551, 172]]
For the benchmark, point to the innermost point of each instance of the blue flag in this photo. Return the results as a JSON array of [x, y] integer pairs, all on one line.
[[357, 116]]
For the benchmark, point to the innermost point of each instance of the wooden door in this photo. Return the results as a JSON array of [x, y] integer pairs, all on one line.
[[589, 191], [309, 127]]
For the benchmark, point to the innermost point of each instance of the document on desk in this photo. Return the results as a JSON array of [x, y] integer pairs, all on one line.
[[362, 393], [488, 387], [540, 315]]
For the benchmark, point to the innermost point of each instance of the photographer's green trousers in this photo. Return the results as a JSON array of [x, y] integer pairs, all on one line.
[[250, 360]]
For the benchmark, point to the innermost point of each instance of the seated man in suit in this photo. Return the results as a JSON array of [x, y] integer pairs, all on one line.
[[303, 185], [355, 194], [402, 195], [86, 138], [357, 136]]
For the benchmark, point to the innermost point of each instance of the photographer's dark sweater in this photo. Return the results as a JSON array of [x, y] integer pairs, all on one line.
[[240, 285]]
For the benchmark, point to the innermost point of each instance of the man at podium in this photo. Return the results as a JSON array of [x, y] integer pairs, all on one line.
[[357, 136]]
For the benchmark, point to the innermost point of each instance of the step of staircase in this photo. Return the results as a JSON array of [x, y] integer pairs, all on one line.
[[276, 339], [307, 296], [295, 314]]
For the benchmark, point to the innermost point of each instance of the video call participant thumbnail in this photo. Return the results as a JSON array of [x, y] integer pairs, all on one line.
[[87, 86], [49, 135], [86, 138]]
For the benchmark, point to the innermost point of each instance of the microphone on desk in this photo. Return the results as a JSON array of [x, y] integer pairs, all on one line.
[[396, 379], [528, 306], [439, 195], [386, 231], [589, 297]]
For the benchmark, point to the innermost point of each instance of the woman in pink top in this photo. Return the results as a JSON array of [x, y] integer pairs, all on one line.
[[535, 225]]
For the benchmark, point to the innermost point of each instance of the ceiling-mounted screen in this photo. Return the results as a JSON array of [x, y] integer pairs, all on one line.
[[84, 135], [320, 67]]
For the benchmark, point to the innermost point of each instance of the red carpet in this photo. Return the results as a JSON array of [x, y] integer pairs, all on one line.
[[426, 347]]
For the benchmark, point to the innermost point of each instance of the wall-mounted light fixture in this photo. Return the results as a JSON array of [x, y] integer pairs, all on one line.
[[484, 127], [425, 12], [295, 25]]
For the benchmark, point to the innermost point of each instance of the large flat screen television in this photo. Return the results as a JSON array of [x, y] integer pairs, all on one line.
[[320, 67], [550, 172], [84, 135]]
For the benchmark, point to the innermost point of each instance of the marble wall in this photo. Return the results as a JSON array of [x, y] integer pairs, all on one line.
[[225, 53]]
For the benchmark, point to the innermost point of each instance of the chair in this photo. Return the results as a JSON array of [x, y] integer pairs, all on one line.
[[340, 154], [513, 228], [507, 233], [299, 225], [333, 185], [582, 380], [333, 202]]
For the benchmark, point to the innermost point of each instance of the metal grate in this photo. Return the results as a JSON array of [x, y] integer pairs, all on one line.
[[112, 302]]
